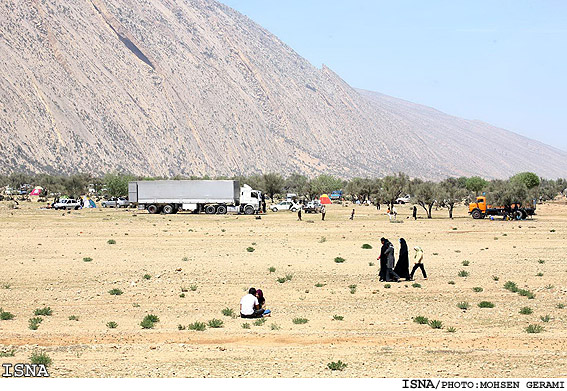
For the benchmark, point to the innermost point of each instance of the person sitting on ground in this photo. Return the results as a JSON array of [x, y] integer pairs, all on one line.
[[262, 302], [249, 305]]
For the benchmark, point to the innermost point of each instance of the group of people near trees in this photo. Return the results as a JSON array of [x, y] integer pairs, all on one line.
[[389, 272]]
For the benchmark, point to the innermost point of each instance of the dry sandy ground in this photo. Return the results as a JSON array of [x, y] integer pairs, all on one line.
[[41, 264]]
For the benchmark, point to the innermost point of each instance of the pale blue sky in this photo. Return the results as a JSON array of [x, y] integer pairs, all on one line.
[[503, 62]]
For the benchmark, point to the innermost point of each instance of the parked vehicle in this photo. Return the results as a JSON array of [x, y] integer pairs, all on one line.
[[196, 196], [115, 203], [313, 206], [480, 209], [66, 203], [285, 205], [403, 200], [336, 195]]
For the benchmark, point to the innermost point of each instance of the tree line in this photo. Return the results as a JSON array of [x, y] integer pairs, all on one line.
[[524, 187]]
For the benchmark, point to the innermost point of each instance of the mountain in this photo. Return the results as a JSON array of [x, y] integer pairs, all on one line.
[[192, 87]]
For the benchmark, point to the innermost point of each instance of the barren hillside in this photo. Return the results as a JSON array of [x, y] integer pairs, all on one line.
[[167, 87]]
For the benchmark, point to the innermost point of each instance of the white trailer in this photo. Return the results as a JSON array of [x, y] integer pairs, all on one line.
[[211, 197]]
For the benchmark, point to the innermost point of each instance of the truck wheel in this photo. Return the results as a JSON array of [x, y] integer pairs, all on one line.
[[476, 214], [168, 209], [274, 210], [221, 210], [248, 210], [210, 209], [153, 209], [524, 214], [293, 210]]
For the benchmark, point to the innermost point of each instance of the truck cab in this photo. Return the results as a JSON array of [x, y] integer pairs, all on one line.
[[478, 209], [250, 198]]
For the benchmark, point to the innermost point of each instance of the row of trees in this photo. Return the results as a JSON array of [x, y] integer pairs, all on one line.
[[521, 188]]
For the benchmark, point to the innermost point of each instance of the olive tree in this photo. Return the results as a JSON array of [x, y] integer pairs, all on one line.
[[393, 186], [451, 191], [426, 194]]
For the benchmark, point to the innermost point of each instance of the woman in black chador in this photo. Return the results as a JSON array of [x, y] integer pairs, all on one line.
[[402, 267]]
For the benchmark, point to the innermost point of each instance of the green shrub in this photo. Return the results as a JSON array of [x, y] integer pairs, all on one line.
[[185, 259], [534, 329], [111, 241], [526, 293], [115, 292], [352, 288], [477, 289], [451, 329], [8, 353], [463, 273], [228, 312], [366, 246], [215, 323], [338, 317], [250, 249], [511, 286], [339, 260], [337, 366], [466, 263], [281, 280], [323, 239], [387, 286], [197, 326], [147, 324], [288, 277], [545, 318], [193, 288], [274, 326], [320, 285], [370, 263], [416, 285], [152, 318], [495, 278], [540, 274], [526, 311], [463, 305], [73, 317], [87, 259], [260, 322], [271, 269], [180, 327], [300, 320], [486, 304], [34, 323], [147, 276], [40, 359], [421, 320], [435, 324], [245, 325], [451, 282], [6, 315], [182, 295], [112, 325], [45, 311], [560, 306]]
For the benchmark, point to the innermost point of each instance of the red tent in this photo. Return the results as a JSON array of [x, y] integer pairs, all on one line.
[[324, 199]]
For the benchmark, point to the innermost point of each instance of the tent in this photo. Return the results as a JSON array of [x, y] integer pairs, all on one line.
[[324, 199], [36, 191], [88, 203]]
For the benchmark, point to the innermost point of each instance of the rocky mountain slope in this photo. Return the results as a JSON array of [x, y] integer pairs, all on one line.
[[166, 87]]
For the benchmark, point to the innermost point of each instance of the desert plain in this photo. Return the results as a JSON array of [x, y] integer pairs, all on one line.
[[209, 260]]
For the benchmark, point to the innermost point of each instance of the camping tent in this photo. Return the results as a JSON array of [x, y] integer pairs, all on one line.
[[36, 191], [324, 199], [88, 203]]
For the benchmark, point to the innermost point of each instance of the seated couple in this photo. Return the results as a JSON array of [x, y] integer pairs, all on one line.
[[252, 305]]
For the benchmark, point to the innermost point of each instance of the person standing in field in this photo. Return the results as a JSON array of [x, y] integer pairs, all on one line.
[[323, 211], [402, 267], [352, 215], [418, 263], [299, 212], [414, 212]]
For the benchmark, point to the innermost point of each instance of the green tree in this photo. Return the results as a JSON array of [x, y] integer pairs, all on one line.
[[475, 184], [393, 186], [273, 184], [451, 191], [76, 185], [298, 184], [117, 184], [325, 184], [529, 179], [360, 188], [426, 195], [507, 193]]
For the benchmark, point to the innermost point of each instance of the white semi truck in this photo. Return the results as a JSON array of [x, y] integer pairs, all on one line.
[[211, 197]]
